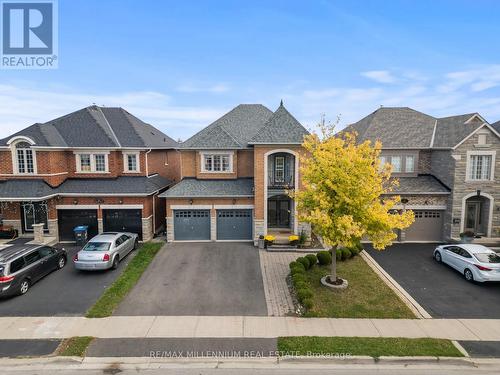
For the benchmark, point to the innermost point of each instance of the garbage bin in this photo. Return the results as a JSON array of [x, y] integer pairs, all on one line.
[[80, 234]]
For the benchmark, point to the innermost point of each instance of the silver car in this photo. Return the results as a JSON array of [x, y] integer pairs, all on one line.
[[105, 251]]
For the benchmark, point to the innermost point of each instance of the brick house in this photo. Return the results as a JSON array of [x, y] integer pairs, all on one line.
[[98, 166], [447, 167], [235, 175]]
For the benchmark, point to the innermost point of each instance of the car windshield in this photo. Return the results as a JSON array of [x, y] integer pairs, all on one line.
[[96, 246], [488, 257]]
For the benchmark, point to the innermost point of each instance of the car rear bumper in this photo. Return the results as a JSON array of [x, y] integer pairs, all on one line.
[[487, 276], [92, 266], [7, 290]]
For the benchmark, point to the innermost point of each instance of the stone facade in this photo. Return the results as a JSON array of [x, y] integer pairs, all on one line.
[[147, 228]]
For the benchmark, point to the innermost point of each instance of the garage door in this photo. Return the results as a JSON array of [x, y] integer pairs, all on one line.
[[123, 221], [68, 219], [428, 226], [191, 225], [234, 224]]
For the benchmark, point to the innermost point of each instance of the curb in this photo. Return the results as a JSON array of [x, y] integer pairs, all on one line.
[[409, 301]]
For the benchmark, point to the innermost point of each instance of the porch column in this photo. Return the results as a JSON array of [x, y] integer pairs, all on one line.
[[38, 232]]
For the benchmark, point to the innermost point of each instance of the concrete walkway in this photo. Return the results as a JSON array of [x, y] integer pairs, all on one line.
[[246, 327]]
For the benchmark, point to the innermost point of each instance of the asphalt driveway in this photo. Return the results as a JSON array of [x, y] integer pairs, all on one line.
[[442, 291], [200, 279], [65, 292]]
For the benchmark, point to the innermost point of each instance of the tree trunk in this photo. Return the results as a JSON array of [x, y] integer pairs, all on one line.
[[333, 274]]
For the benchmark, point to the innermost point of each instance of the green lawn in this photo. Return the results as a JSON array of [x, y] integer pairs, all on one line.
[[367, 296], [75, 346], [368, 346], [115, 293]]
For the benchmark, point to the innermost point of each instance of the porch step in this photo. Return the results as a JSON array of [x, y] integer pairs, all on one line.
[[281, 247]]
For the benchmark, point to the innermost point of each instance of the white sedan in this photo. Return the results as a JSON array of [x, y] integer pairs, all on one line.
[[475, 262]]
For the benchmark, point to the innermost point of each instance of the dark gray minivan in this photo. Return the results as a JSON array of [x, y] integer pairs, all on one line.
[[22, 266]]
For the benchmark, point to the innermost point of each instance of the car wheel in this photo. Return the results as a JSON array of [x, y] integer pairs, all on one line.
[[136, 244], [437, 256], [61, 262], [468, 275], [115, 263], [24, 287]]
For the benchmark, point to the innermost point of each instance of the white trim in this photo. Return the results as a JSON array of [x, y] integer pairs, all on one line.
[[475, 115], [433, 133], [207, 196], [191, 207], [32, 174], [295, 216], [419, 207], [234, 206], [480, 153], [20, 138], [77, 207], [125, 155], [147, 218], [122, 206], [490, 214], [276, 143], [13, 151], [202, 155], [474, 132]]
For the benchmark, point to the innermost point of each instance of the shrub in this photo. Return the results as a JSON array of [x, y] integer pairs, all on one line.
[[297, 270], [313, 259], [346, 254], [354, 251], [294, 264], [307, 303], [304, 293], [339, 254], [300, 285], [305, 262], [324, 257], [303, 238], [298, 277]]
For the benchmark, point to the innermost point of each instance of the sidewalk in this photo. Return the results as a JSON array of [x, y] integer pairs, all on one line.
[[246, 327]]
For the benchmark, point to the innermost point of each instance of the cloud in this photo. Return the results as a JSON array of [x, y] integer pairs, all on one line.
[[475, 80], [21, 106], [380, 76], [215, 89]]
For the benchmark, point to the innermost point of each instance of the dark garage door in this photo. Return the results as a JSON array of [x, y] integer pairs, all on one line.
[[234, 224], [428, 226], [191, 225], [123, 221], [68, 219]]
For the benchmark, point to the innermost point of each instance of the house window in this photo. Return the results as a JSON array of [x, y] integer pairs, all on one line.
[[396, 164], [92, 163], [217, 163], [131, 162], [383, 160], [480, 167], [24, 158], [410, 164], [279, 169]]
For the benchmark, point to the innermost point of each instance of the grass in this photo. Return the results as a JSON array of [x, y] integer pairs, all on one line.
[[115, 293], [75, 346], [367, 346], [367, 296]]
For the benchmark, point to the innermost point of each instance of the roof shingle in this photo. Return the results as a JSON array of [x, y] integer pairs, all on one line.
[[193, 188]]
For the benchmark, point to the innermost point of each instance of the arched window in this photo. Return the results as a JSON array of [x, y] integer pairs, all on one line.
[[25, 163]]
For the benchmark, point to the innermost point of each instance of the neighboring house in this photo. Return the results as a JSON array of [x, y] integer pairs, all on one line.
[[236, 173], [98, 166], [448, 170], [496, 126]]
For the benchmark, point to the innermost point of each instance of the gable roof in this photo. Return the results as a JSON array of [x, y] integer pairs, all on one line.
[[231, 131], [96, 127], [496, 126], [281, 128], [403, 127]]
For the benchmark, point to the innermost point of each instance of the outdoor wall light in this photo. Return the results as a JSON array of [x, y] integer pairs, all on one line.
[[120, 201], [190, 201], [75, 201], [234, 201], [404, 201], [99, 200]]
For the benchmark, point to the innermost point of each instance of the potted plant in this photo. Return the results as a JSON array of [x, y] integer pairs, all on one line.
[[467, 236], [269, 240], [293, 240]]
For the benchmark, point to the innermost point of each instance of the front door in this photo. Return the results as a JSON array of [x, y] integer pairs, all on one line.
[[473, 217], [278, 213]]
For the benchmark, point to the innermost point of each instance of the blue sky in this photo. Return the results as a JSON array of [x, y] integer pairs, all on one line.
[[181, 64]]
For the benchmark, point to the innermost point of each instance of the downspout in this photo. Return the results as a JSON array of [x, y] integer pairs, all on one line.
[[147, 167], [154, 214]]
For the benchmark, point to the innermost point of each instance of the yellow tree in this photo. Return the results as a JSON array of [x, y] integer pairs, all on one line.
[[343, 192]]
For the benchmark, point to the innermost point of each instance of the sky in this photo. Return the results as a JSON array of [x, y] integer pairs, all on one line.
[[180, 65]]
